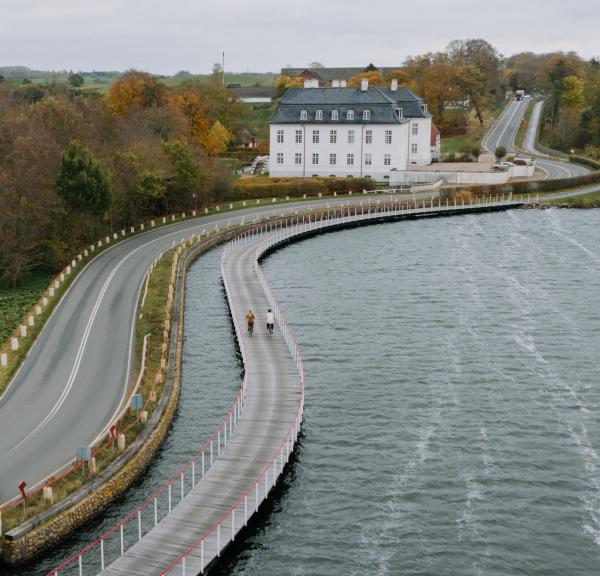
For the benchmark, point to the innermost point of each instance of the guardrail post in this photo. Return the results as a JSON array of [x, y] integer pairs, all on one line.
[[139, 515], [218, 540], [122, 540], [155, 511], [182, 484], [102, 554], [193, 473], [202, 557], [203, 463], [80, 566], [246, 510], [233, 525], [183, 565], [170, 501]]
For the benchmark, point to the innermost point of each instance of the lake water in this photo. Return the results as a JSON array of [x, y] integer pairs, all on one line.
[[452, 399]]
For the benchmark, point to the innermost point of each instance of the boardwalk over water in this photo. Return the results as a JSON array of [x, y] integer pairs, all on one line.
[[185, 526]]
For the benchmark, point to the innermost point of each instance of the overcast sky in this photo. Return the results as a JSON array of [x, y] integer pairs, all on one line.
[[164, 36]]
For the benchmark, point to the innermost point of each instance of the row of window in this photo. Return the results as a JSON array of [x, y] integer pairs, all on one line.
[[387, 159], [333, 134], [335, 115]]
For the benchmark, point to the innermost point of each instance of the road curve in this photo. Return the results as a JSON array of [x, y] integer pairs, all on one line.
[[75, 377], [552, 168], [504, 132]]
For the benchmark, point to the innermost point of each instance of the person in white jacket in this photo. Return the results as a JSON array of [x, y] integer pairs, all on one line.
[[270, 322]]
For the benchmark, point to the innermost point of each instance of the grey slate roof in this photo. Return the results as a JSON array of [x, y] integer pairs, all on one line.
[[383, 105]]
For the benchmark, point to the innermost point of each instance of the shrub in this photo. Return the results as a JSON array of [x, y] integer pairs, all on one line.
[[249, 188]]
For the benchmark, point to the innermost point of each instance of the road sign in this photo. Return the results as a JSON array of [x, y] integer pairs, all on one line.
[[137, 402], [84, 454]]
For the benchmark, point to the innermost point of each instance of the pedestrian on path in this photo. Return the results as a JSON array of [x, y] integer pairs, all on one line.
[[250, 320]]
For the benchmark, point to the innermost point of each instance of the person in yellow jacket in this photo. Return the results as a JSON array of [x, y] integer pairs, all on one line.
[[250, 320]]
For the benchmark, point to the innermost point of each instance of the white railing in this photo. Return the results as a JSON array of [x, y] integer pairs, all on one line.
[[116, 541]]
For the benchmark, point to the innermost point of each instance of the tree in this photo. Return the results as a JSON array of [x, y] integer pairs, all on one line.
[[371, 67], [283, 83], [82, 182], [314, 65], [135, 91], [1, 78], [218, 139], [374, 78], [500, 152], [76, 80], [186, 177]]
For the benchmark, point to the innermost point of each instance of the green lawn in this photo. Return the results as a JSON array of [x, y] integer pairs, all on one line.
[[591, 200], [16, 302], [256, 118]]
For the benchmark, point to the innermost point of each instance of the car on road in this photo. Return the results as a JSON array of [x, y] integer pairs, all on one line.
[[503, 166]]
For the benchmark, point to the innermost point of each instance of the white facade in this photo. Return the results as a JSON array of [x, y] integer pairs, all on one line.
[[339, 150], [348, 132]]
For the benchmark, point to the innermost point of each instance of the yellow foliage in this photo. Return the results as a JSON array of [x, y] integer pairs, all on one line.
[[374, 78], [192, 107], [217, 139], [284, 82], [134, 91]]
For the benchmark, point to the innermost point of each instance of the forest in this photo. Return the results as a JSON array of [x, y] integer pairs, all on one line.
[[76, 163]]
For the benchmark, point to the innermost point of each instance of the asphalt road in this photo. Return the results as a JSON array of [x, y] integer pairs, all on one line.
[[75, 378], [76, 375], [505, 132]]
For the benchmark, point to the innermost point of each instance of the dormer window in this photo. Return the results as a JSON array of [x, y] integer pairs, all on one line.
[[335, 115], [319, 115], [350, 115], [303, 115], [424, 108], [366, 114]]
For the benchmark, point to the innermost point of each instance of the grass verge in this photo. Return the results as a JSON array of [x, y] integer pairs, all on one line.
[[591, 200], [151, 321]]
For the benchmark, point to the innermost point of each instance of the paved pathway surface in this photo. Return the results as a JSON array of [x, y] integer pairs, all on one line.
[[273, 399]]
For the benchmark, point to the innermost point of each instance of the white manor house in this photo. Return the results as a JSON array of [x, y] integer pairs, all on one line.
[[341, 131]]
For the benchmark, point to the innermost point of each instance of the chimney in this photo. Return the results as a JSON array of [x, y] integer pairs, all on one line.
[[342, 83], [335, 84], [394, 85], [364, 84]]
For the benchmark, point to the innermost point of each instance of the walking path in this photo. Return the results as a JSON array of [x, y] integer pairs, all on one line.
[[236, 469]]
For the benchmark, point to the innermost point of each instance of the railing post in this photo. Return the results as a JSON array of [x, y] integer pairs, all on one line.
[[170, 496], [182, 485], [218, 540], [80, 566], [246, 510], [256, 498], [102, 554], [203, 452], [193, 473], [202, 557], [183, 565], [233, 525], [139, 515], [155, 510]]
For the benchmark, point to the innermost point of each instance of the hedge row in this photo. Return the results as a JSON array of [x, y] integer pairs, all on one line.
[[249, 188], [532, 186], [593, 164]]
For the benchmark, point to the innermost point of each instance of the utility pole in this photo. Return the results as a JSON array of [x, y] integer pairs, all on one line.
[[223, 68]]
